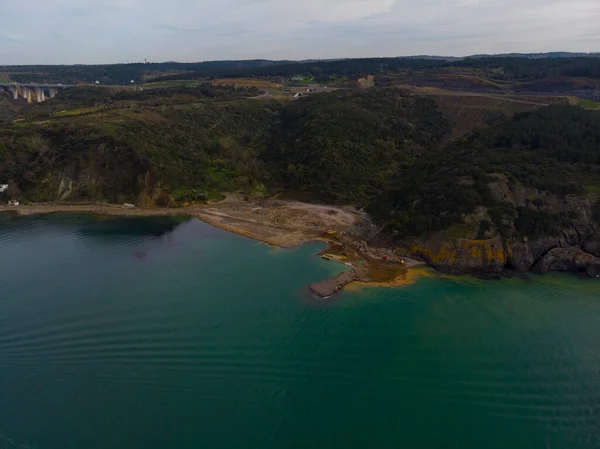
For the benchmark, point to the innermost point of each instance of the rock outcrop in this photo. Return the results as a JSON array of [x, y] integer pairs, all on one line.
[[571, 258], [592, 245], [463, 255], [564, 228], [520, 257]]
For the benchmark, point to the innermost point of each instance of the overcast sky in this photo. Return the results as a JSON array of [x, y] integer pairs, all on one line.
[[106, 31]]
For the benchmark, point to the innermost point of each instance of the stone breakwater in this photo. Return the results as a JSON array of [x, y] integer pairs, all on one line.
[[330, 287]]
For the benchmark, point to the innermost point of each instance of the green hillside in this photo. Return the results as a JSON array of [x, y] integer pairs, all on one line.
[[516, 189]]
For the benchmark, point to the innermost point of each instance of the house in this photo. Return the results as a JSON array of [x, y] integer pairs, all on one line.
[[3, 188], [297, 78]]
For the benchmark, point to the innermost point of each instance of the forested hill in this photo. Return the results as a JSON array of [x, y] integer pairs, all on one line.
[[502, 67], [148, 147], [123, 74], [521, 191], [345, 147], [552, 152]]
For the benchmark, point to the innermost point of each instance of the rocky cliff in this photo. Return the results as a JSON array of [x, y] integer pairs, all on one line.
[[571, 244]]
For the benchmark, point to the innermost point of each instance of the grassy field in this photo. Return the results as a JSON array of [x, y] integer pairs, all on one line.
[[80, 111], [588, 104], [466, 114], [172, 83], [466, 111], [247, 82]]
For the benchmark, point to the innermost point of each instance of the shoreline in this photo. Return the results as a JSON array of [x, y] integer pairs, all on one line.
[[370, 268]]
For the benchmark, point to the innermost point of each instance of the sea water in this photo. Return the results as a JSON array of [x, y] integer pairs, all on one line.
[[162, 333]]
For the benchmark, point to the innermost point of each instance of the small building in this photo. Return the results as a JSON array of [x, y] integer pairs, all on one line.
[[297, 78], [3, 188]]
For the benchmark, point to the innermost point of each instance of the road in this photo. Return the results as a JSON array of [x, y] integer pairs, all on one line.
[[263, 95]]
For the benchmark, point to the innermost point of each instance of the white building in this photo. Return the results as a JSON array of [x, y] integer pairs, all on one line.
[[3, 188]]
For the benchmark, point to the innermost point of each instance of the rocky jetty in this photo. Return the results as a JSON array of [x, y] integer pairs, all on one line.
[[330, 287]]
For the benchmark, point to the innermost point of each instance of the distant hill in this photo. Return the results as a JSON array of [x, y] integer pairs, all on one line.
[[433, 57], [558, 54], [125, 73], [322, 70]]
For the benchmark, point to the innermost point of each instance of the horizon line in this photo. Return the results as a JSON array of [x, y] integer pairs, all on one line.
[[308, 60]]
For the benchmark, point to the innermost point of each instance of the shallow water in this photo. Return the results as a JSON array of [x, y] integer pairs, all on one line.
[[153, 333]]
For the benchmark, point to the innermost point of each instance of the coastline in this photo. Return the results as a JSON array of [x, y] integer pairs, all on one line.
[[280, 224]]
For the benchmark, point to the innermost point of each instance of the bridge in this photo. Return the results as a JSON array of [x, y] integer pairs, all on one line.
[[30, 91]]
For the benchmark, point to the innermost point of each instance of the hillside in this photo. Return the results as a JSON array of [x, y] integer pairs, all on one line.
[[510, 196], [122, 74], [513, 189], [554, 72], [128, 146], [344, 146]]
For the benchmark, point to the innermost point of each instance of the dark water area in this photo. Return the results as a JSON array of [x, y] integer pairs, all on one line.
[[162, 333]]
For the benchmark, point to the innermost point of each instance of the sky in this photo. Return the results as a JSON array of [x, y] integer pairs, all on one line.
[[114, 31]]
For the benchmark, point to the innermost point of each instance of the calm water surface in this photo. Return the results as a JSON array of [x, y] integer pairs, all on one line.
[[150, 333]]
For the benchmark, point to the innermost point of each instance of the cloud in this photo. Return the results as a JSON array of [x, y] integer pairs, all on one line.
[[160, 26], [98, 31], [6, 40]]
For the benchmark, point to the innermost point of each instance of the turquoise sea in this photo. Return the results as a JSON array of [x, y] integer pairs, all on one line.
[[153, 333]]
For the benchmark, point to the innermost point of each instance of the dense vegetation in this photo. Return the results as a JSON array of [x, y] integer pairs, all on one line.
[[526, 69], [121, 74], [514, 69], [137, 146], [506, 68], [554, 150], [320, 70], [347, 147], [383, 149]]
